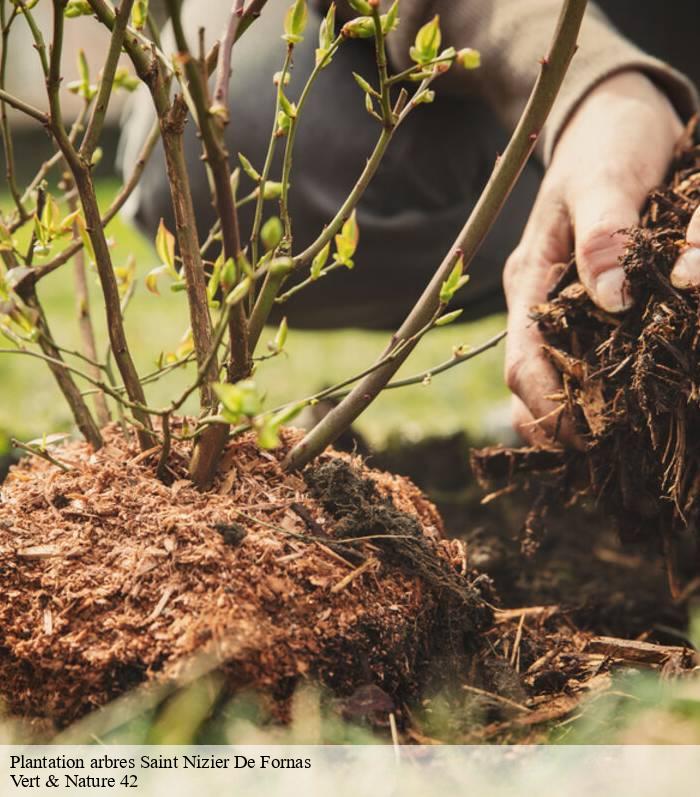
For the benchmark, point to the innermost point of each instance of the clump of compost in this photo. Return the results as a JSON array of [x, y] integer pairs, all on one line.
[[112, 578], [631, 384]]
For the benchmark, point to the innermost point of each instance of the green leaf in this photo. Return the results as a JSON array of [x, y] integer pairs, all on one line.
[[346, 242], [75, 8], [320, 261], [428, 42], [358, 28], [126, 275], [186, 345], [364, 85], [67, 223], [448, 318], [469, 58], [248, 168], [271, 233], [272, 190], [268, 436], [361, 6], [277, 344], [239, 400], [244, 265], [151, 279], [295, 22], [215, 278], [326, 36], [165, 247], [239, 292], [139, 14], [51, 216], [454, 282], [425, 96], [83, 68], [283, 124], [229, 274], [235, 180], [123, 79], [390, 20], [369, 105], [85, 238], [268, 430], [289, 108]]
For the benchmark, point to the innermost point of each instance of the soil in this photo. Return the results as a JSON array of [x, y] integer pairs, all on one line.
[[112, 578], [631, 384], [580, 610]]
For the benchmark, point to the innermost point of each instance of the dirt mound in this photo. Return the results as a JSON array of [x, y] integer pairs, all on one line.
[[631, 383], [112, 578]]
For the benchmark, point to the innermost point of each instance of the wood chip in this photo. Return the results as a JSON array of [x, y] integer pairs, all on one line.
[[39, 552]]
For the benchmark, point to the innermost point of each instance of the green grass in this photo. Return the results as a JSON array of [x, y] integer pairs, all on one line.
[[462, 398]]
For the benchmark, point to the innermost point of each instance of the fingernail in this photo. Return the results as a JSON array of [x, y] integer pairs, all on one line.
[[686, 272], [611, 291]]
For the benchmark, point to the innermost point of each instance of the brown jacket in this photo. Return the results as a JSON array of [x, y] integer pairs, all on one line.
[[512, 35]]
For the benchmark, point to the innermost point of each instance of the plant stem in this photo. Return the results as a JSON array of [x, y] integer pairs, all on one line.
[[291, 138], [8, 144], [93, 224], [162, 469], [274, 279], [99, 109], [417, 379], [481, 219], [380, 47], [211, 127], [42, 453], [257, 217], [24, 107], [87, 332]]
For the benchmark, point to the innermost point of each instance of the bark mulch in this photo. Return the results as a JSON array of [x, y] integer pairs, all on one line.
[[111, 578]]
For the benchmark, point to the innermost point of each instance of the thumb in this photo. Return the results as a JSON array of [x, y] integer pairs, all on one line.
[[600, 218], [686, 272]]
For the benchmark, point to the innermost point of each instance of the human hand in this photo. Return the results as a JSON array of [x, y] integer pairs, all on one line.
[[616, 147]]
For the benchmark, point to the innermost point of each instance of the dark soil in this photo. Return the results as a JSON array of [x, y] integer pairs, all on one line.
[[111, 579], [631, 384], [581, 609]]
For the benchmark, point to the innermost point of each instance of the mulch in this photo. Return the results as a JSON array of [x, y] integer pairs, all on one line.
[[111, 578]]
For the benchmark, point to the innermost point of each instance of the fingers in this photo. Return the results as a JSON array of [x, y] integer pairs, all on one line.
[[686, 272], [530, 272], [526, 426], [600, 217], [613, 151]]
